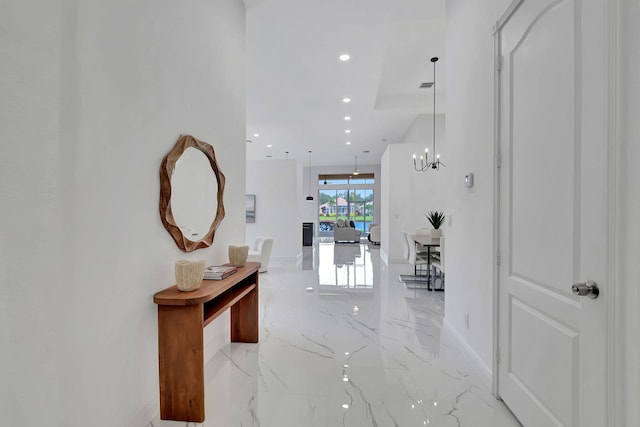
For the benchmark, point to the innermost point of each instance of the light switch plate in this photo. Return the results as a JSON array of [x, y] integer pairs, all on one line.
[[468, 180]]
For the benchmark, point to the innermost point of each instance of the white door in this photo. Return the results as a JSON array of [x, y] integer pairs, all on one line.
[[553, 213]]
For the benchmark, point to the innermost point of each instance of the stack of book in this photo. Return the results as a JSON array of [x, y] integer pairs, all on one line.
[[218, 272]]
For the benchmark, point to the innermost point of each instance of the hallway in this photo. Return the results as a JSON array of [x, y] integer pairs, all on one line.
[[343, 343]]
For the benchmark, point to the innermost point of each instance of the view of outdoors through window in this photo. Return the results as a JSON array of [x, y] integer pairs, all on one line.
[[347, 199]]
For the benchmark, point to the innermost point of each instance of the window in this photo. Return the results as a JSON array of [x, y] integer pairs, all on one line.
[[346, 197]]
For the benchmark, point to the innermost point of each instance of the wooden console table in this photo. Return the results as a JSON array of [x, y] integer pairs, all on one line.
[[181, 319]]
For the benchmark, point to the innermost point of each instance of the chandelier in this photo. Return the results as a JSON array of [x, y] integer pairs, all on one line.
[[425, 164]]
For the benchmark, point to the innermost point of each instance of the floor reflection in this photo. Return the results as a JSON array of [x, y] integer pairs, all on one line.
[[343, 265]]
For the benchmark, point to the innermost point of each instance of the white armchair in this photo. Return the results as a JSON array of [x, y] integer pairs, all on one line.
[[374, 233], [261, 252]]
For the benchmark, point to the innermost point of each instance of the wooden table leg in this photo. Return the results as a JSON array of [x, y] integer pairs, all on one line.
[[181, 356], [244, 317]]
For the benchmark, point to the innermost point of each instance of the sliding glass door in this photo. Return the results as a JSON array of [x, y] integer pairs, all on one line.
[[362, 213], [349, 200]]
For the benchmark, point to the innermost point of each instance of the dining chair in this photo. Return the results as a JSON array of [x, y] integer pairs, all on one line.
[[405, 246], [415, 258], [437, 263]]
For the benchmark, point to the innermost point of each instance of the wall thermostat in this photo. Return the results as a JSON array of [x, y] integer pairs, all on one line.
[[468, 180]]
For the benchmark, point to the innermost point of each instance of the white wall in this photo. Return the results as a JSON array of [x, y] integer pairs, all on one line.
[[469, 68], [385, 197], [277, 186], [94, 94], [408, 195], [35, 219]]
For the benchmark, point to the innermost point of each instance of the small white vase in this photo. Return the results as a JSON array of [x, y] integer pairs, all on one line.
[[436, 233], [189, 274], [238, 255]]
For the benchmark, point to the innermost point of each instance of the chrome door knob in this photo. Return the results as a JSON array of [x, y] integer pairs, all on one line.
[[589, 288]]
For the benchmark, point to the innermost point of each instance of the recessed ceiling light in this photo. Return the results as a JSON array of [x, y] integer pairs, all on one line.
[[345, 100], [256, 135], [348, 142], [345, 57], [269, 145], [347, 131], [347, 117]]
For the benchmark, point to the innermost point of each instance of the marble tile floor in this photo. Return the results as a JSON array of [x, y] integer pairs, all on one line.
[[344, 343]]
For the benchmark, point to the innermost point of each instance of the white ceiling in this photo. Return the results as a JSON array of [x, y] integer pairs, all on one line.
[[296, 83]]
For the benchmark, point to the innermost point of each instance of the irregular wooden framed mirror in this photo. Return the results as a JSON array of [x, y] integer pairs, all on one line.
[[191, 193]]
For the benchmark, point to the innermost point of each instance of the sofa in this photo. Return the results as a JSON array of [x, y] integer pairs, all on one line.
[[344, 231]]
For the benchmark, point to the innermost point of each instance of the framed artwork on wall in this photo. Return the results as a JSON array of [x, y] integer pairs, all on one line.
[[250, 203]]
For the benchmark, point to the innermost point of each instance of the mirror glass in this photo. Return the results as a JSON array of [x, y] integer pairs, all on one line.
[[193, 194]]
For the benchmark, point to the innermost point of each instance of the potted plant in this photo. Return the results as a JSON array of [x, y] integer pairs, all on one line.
[[436, 218]]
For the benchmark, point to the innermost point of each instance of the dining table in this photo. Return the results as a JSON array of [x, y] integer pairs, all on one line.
[[428, 242]]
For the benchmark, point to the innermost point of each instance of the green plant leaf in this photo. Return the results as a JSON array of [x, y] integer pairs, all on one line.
[[436, 218]]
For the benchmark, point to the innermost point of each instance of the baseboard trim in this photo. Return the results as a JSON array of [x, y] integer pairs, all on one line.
[[481, 368], [294, 258]]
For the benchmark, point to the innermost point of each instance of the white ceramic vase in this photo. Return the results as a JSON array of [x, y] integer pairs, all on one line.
[[238, 255], [189, 274], [436, 233]]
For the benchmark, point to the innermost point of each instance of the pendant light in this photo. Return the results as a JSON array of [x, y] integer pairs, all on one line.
[[424, 161], [356, 171], [309, 197]]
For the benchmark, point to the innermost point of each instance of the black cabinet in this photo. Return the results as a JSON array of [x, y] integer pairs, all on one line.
[[307, 234]]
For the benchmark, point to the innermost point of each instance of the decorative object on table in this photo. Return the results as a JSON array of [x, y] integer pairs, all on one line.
[[238, 255], [219, 272], [425, 164], [250, 207], [436, 218], [169, 205], [189, 274]]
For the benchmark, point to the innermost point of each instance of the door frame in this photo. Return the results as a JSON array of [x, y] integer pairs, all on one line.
[[615, 305]]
